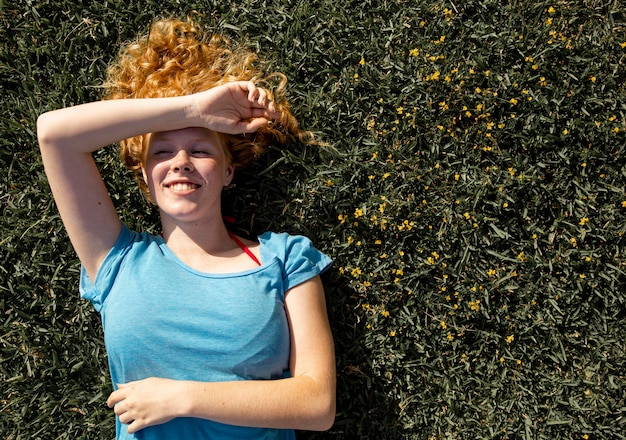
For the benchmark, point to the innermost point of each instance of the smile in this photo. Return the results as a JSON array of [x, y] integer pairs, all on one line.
[[183, 186]]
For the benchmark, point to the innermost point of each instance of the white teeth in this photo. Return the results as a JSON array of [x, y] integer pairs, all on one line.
[[182, 186]]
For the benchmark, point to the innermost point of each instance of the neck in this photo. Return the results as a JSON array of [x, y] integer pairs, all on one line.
[[209, 236]]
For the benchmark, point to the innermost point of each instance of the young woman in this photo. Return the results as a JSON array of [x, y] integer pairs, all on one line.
[[209, 335]]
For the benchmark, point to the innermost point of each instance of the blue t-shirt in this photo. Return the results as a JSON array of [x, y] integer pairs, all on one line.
[[162, 318]]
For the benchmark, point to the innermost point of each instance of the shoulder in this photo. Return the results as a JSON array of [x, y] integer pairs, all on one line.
[[286, 244], [129, 246], [299, 257]]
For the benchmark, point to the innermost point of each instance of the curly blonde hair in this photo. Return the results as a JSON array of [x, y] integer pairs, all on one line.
[[176, 58]]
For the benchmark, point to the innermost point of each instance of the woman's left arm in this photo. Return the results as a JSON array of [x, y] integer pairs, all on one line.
[[304, 401]]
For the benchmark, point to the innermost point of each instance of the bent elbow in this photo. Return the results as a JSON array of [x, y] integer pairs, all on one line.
[[44, 129], [325, 416], [327, 421]]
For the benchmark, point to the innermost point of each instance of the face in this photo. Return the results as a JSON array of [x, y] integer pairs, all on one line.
[[186, 171]]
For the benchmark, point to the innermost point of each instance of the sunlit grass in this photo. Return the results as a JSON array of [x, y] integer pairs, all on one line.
[[472, 196]]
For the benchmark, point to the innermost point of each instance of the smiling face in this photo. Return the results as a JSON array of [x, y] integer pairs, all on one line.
[[186, 171]]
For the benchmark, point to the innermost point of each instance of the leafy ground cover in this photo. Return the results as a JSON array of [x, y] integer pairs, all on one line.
[[472, 196]]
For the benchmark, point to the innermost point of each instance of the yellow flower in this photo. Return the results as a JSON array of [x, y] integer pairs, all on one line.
[[491, 272], [450, 337], [510, 339], [521, 256], [551, 10], [362, 62], [414, 52], [358, 213], [443, 325], [392, 333], [573, 241], [385, 313], [583, 221], [513, 101]]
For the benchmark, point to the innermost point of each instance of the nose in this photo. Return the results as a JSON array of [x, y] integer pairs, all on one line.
[[181, 162]]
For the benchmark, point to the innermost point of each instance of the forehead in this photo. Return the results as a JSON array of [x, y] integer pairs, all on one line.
[[185, 136]]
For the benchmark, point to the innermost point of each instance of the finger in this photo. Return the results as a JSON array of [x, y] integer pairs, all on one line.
[[252, 91], [114, 397], [125, 418], [254, 124], [133, 427], [262, 98], [271, 108]]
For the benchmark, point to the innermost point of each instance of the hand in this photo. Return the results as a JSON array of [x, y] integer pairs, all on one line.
[[234, 108], [147, 402]]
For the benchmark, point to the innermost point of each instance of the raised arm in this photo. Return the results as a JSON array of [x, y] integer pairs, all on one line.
[[67, 137], [304, 401]]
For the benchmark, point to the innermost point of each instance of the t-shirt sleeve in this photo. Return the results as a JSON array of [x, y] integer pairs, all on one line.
[[97, 290], [301, 260]]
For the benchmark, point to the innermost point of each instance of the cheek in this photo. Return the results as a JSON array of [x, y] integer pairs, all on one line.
[[150, 175]]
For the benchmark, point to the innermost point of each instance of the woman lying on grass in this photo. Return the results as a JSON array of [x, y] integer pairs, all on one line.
[[209, 335]]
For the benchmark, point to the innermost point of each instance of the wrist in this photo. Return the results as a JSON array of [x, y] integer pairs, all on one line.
[[192, 111], [193, 395]]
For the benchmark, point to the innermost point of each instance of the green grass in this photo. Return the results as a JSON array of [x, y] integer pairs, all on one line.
[[472, 197]]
